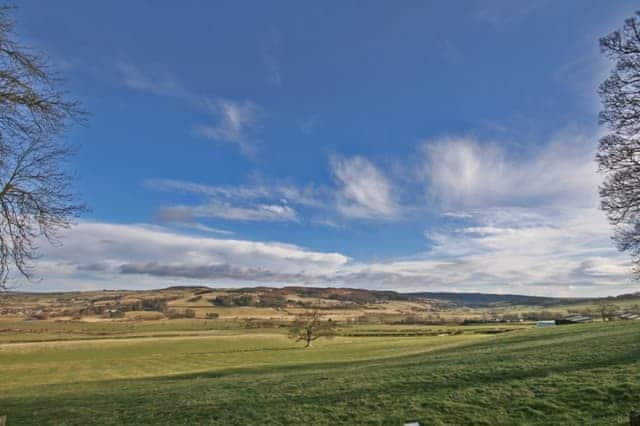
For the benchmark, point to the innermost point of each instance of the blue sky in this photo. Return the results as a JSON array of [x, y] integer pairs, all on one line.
[[409, 146]]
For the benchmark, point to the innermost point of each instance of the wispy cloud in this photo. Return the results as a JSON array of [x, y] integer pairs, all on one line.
[[189, 223], [161, 83], [307, 195], [242, 192], [463, 172], [363, 190], [236, 123], [256, 213], [259, 202]]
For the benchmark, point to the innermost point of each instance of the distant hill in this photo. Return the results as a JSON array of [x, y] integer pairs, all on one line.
[[358, 295], [488, 299], [304, 296]]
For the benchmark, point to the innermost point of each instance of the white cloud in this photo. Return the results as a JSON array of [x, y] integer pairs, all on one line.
[[564, 254], [363, 190], [99, 255], [464, 173], [236, 123]]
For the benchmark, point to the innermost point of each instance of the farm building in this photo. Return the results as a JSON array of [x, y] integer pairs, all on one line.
[[542, 324], [113, 313], [629, 316]]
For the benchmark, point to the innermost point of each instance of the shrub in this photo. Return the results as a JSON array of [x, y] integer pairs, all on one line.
[[272, 301], [173, 314], [244, 300], [223, 301]]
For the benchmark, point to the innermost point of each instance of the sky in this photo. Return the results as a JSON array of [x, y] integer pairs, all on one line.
[[410, 146]]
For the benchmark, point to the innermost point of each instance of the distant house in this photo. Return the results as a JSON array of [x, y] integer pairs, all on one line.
[[541, 324], [575, 319], [113, 313]]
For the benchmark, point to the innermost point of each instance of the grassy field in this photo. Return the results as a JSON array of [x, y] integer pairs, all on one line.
[[194, 373]]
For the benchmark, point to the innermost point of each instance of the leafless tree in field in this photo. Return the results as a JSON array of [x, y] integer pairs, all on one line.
[[36, 199], [309, 326]]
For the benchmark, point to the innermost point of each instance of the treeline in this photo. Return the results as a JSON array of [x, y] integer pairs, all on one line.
[[160, 305], [263, 300]]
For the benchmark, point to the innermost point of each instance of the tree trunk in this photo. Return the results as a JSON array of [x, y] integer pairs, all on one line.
[[634, 418]]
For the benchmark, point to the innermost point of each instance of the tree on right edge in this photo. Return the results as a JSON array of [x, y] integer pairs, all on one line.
[[619, 151]]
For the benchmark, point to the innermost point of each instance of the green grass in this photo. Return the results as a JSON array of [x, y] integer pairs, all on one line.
[[585, 374]]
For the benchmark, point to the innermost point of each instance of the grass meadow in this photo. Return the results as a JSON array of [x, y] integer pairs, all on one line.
[[190, 373]]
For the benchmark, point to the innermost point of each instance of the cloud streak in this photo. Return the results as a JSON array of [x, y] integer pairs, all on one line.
[[160, 83], [236, 123], [363, 190], [259, 202], [464, 173], [260, 212]]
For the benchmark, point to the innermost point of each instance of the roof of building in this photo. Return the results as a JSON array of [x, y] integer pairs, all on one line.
[[578, 318], [629, 316]]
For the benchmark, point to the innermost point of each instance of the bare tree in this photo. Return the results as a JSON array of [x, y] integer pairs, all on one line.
[[35, 196], [619, 151], [309, 326]]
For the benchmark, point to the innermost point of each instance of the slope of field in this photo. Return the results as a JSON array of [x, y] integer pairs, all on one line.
[[585, 374]]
